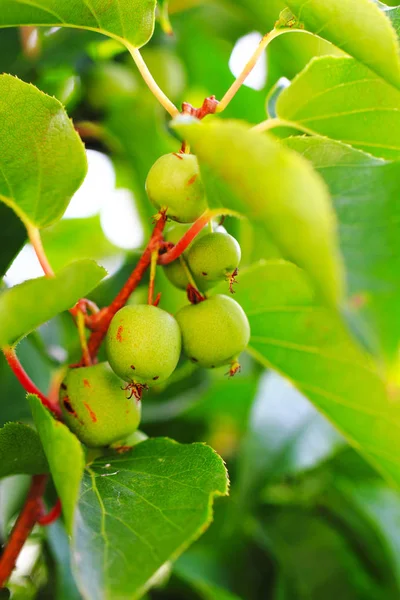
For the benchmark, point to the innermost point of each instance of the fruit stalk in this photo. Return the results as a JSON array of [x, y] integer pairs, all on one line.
[[36, 241], [104, 317], [27, 382], [186, 239], [23, 527]]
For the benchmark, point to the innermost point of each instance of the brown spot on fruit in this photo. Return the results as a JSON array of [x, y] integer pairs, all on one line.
[[68, 406], [90, 411], [192, 179], [119, 333], [204, 273], [86, 383], [63, 386], [133, 367], [156, 377], [193, 359]]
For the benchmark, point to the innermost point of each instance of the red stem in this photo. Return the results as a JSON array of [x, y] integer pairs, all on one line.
[[27, 382], [51, 516], [22, 528], [185, 240], [105, 316]]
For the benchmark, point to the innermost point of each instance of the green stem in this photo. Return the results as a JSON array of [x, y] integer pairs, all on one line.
[[151, 82]]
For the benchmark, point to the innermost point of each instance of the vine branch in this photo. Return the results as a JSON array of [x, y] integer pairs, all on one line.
[[26, 521], [26, 381]]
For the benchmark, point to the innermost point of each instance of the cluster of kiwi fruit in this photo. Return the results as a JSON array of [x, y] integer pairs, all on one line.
[[102, 403]]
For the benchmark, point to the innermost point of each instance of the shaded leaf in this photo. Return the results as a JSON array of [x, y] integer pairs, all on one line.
[[21, 451], [355, 27], [64, 454], [301, 541], [27, 305], [292, 333], [344, 100], [365, 193], [139, 510], [42, 158], [253, 174], [12, 238], [130, 20]]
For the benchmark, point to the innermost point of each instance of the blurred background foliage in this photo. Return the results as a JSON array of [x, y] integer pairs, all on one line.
[[307, 518]]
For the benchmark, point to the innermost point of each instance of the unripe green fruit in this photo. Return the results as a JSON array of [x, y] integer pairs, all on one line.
[[214, 332], [213, 258], [174, 183], [143, 344], [96, 407]]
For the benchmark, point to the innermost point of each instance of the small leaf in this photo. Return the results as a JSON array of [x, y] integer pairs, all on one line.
[[292, 333], [139, 510], [64, 454], [365, 193], [130, 20], [42, 158], [21, 451], [355, 26], [254, 174], [12, 237], [26, 306], [344, 100]]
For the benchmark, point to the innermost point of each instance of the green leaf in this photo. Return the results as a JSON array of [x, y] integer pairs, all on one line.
[[139, 510], [365, 193], [129, 20], [12, 238], [293, 334], [393, 12], [344, 100], [27, 305], [355, 26], [21, 451], [89, 241], [254, 174], [42, 158], [58, 542], [64, 454]]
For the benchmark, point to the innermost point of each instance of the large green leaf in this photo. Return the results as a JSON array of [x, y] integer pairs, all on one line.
[[64, 454], [254, 174], [356, 26], [26, 306], [366, 196], [342, 99], [286, 436], [21, 451], [42, 158], [130, 20], [295, 335], [140, 510]]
